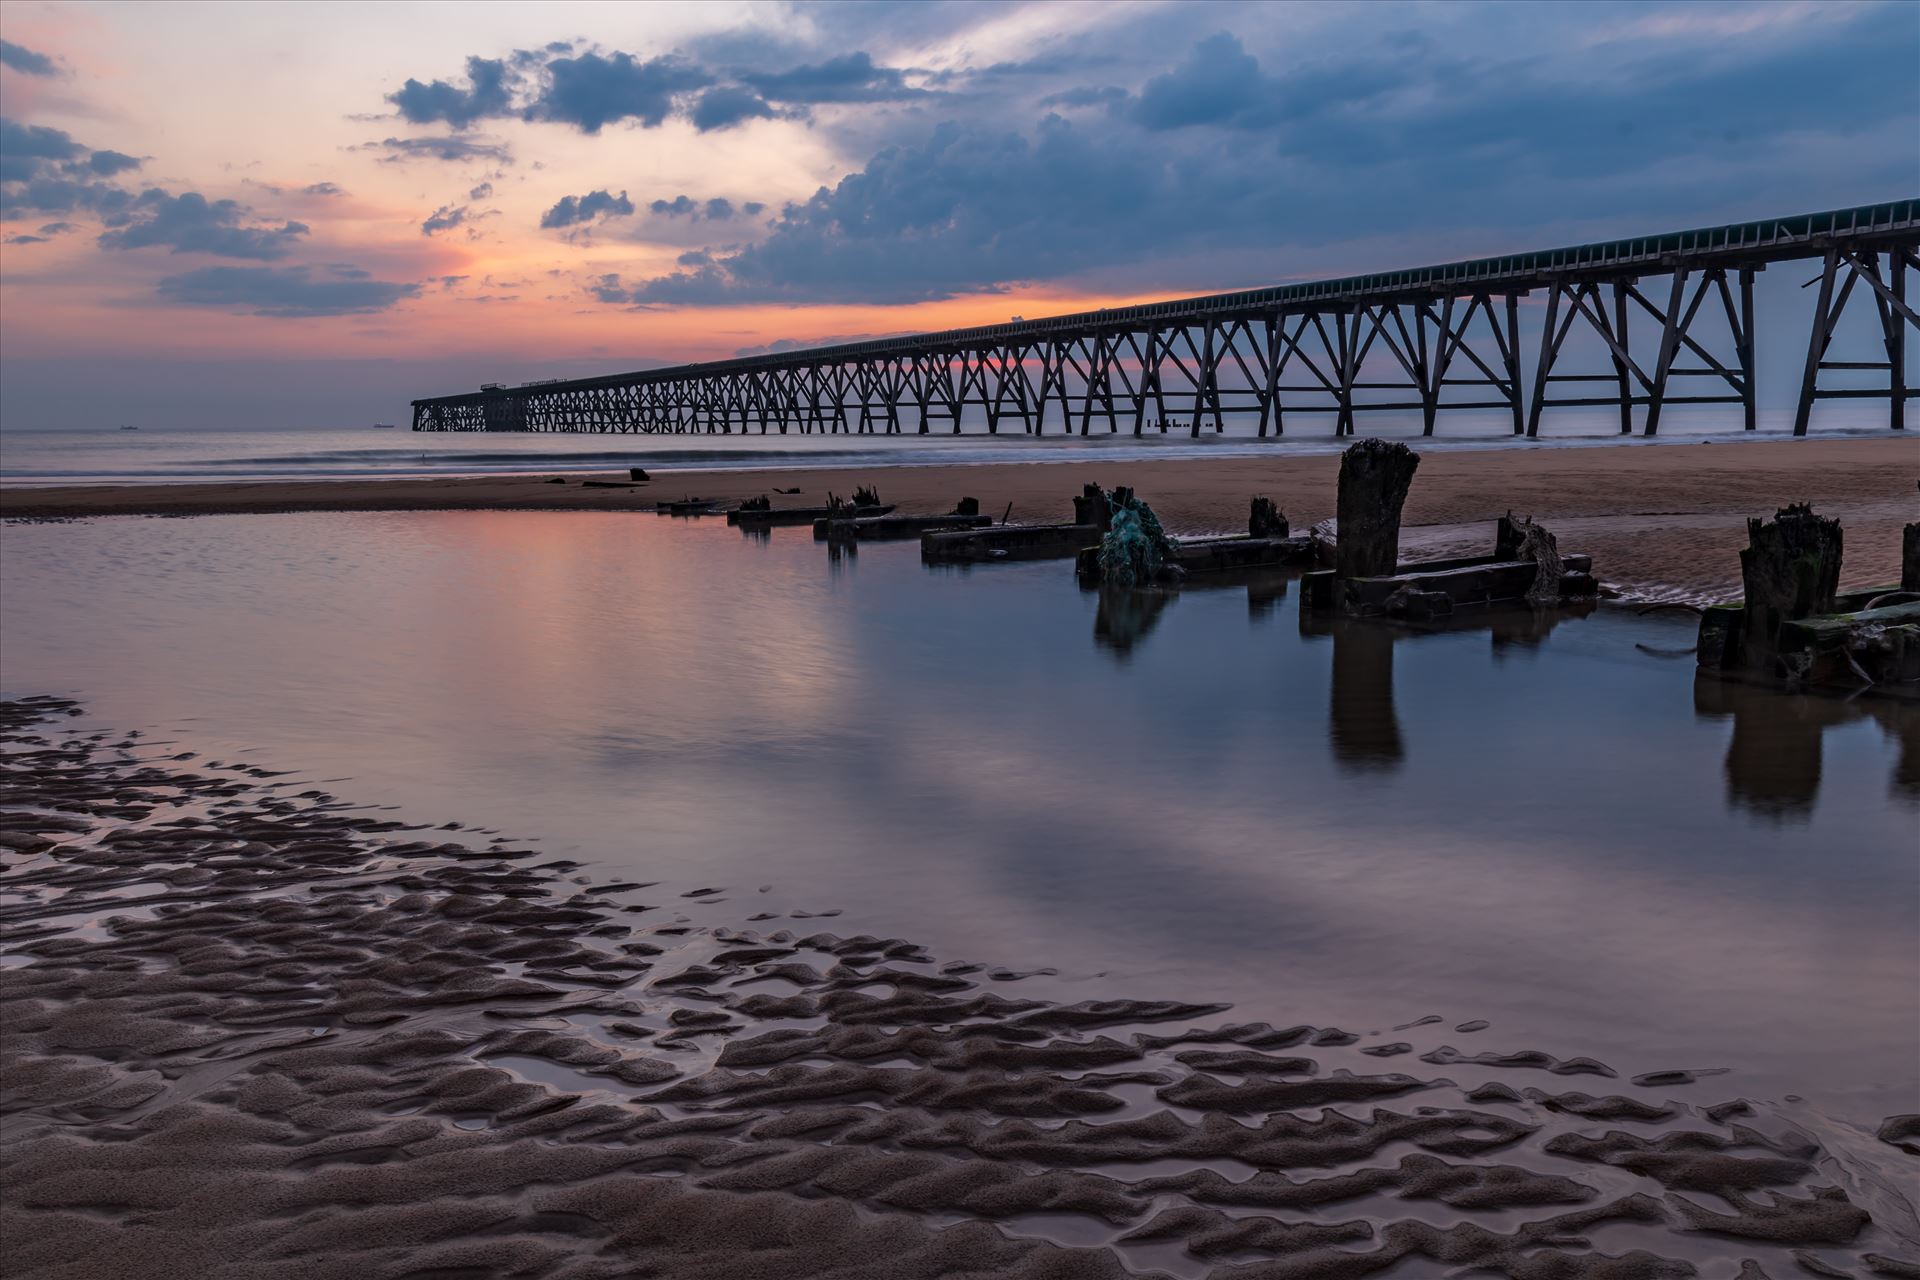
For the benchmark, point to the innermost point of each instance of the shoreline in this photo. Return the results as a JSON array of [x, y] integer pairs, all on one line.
[[1662, 522], [377, 1046]]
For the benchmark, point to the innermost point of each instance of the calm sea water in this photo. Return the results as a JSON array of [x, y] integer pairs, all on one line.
[[1546, 827], [160, 456]]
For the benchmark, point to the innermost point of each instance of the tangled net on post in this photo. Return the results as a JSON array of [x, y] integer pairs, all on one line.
[[1135, 551]]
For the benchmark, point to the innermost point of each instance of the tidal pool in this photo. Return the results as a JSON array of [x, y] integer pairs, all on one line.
[[1535, 824]]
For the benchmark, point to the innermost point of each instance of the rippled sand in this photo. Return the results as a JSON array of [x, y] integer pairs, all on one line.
[[256, 1031]]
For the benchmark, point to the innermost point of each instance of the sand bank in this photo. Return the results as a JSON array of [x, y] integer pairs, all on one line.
[[250, 1030], [1663, 520]]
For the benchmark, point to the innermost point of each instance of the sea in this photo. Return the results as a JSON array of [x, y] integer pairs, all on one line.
[[174, 456]]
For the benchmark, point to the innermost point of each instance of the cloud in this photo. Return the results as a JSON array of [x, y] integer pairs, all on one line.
[[850, 78], [452, 150], [481, 192], [1223, 166], [1218, 81], [727, 107], [323, 189], [592, 91], [56, 228], [108, 163], [190, 223], [445, 218], [25, 60], [715, 209], [488, 93], [26, 239], [574, 210], [283, 292], [28, 151]]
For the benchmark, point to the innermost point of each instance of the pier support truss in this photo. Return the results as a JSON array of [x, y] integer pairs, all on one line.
[[1637, 325]]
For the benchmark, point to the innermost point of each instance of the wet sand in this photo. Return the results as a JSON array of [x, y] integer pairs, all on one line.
[[251, 1029], [1664, 521]]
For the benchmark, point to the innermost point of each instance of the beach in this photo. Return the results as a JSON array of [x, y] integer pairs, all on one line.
[[482, 876], [1661, 522], [306, 1039]]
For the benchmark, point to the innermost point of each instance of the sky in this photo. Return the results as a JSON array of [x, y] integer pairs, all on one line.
[[269, 215]]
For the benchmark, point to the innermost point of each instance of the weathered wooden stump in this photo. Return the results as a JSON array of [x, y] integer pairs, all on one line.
[[1094, 507], [1266, 520], [1910, 558], [1533, 542], [638, 473], [1789, 570], [1374, 478], [967, 507]]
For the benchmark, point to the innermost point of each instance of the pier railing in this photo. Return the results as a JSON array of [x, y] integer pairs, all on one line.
[[1431, 339]]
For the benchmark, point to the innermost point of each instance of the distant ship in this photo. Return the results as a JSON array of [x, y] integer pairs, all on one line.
[[129, 428], [384, 426]]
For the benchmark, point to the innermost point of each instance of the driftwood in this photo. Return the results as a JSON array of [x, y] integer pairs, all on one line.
[[1374, 478], [1265, 520], [1789, 570], [1522, 539], [761, 503], [866, 497]]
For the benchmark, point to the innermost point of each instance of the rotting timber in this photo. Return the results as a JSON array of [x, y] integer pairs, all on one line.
[[1795, 629], [1368, 580], [1429, 339]]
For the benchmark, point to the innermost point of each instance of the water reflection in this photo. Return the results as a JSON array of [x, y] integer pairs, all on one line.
[[1775, 754], [1363, 728], [1318, 826], [1124, 616]]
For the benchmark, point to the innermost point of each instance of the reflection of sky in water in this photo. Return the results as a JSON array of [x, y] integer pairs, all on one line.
[[1189, 795]]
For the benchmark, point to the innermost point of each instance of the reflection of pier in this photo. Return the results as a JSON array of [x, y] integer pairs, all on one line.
[[1425, 339], [1775, 753]]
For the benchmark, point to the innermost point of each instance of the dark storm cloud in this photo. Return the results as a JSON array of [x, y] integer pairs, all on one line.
[[591, 91], [1218, 154], [282, 292], [572, 210], [488, 92], [851, 78], [727, 106], [25, 60], [190, 223], [452, 150]]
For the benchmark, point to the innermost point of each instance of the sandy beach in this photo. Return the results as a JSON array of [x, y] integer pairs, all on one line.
[[1660, 522], [297, 1038]]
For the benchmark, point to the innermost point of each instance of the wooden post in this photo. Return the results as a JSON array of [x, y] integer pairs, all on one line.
[[1790, 569], [1374, 478], [1910, 558], [1744, 348]]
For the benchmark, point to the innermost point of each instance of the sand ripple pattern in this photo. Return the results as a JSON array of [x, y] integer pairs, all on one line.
[[254, 1032]]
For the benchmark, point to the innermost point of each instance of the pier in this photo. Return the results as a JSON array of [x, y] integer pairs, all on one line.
[[1673, 315]]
